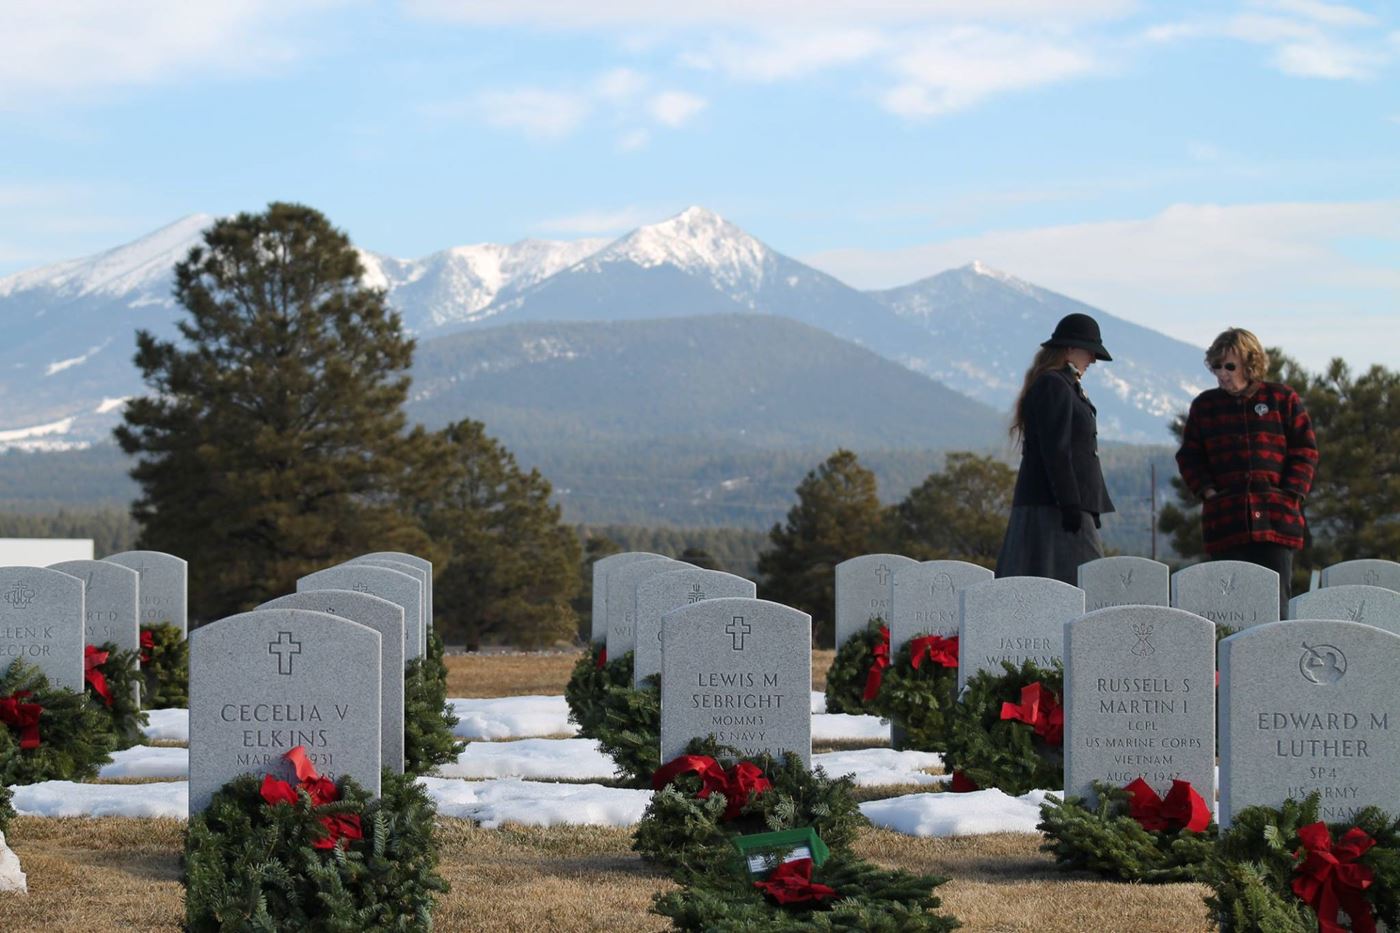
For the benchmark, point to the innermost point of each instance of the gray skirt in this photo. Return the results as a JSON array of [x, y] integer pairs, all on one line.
[[1037, 546]]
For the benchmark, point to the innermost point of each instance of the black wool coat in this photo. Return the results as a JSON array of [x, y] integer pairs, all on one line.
[[1060, 449]]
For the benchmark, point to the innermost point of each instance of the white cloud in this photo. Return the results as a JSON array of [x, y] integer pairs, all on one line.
[[633, 140], [785, 55], [70, 46], [597, 222], [620, 84], [675, 108], [1331, 14], [1322, 58], [1193, 269], [537, 113], [950, 70], [605, 14]]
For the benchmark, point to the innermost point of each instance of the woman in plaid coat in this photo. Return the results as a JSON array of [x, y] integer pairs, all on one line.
[[1249, 453]]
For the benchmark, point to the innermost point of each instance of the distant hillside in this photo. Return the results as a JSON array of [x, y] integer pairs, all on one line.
[[737, 381]]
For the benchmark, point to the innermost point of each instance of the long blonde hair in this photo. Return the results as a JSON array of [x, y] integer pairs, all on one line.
[[1047, 359]]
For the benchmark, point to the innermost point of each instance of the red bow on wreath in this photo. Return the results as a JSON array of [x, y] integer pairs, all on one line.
[[736, 784], [1183, 808], [1041, 711], [941, 651], [148, 644], [602, 660], [321, 790], [1331, 878], [791, 883], [22, 716], [92, 662], [877, 666]]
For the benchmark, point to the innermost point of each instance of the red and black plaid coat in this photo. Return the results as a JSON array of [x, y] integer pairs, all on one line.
[[1259, 452]]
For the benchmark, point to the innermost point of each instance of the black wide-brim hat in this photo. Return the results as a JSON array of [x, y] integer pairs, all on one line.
[[1079, 330]]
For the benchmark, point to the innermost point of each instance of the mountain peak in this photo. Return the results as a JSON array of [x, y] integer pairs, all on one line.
[[980, 268], [696, 240]]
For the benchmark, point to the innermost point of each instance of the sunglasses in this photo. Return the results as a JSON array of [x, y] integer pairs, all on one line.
[[1228, 367]]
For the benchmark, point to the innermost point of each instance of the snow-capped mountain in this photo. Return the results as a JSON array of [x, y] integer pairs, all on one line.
[[68, 361]]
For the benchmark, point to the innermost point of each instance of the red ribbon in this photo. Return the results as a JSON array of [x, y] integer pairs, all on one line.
[[321, 791], [737, 784], [962, 784], [1040, 709], [1331, 879], [878, 666], [941, 651], [22, 716], [1183, 808], [148, 644], [92, 662], [602, 660], [791, 883]]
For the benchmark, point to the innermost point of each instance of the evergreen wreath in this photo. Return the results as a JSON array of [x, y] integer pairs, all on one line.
[[688, 834], [849, 679], [49, 734], [165, 667], [588, 684], [1265, 876], [920, 697], [7, 812], [867, 899], [1006, 753], [630, 729], [428, 740], [111, 680], [1108, 840], [253, 865]]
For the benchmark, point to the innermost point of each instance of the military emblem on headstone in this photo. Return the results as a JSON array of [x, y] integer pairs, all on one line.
[[20, 595], [1322, 664], [1227, 585], [1357, 614], [1144, 647], [695, 594], [1126, 578], [942, 583]]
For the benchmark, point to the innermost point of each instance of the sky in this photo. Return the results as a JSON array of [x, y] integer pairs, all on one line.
[[1185, 166]]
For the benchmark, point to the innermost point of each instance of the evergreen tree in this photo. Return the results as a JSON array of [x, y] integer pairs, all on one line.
[[837, 517], [957, 514], [272, 442], [700, 558], [513, 568], [595, 547]]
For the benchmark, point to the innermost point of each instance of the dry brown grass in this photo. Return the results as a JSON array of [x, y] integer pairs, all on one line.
[[102, 876]]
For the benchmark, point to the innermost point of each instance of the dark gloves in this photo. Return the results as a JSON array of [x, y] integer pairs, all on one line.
[[1071, 518]]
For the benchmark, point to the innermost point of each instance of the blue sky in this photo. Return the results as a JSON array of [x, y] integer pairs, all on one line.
[[1186, 166]]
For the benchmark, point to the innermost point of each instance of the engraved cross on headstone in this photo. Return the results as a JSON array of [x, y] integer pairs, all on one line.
[[284, 647], [737, 630], [882, 574]]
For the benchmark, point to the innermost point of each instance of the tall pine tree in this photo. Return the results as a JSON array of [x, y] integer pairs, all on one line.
[[959, 513], [837, 516], [272, 441], [512, 567]]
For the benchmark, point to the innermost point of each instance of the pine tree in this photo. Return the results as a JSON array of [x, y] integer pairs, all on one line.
[[959, 513], [272, 442], [513, 567], [837, 517]]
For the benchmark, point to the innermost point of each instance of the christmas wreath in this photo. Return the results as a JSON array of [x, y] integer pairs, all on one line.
[[701, 803], [1286, 871], [853, 681], [630, 729], [49, 734], [165, 667], [111, 679], [317, 856], [845, 893], [1133, 834], [428, 739], [919, 689], [1007, 730], [588, 685]]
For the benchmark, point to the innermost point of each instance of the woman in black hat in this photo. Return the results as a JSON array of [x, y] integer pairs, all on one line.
[[1060, 492]]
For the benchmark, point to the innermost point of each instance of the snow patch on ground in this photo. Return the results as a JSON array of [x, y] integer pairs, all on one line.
[[144, 761], [512, 717], [561, 759], [829, 727], [533, 803], [67, 798], [168, 725], [948, 814], [871, 767]]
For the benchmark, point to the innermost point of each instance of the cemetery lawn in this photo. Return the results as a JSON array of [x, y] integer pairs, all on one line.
[[111, 874]]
